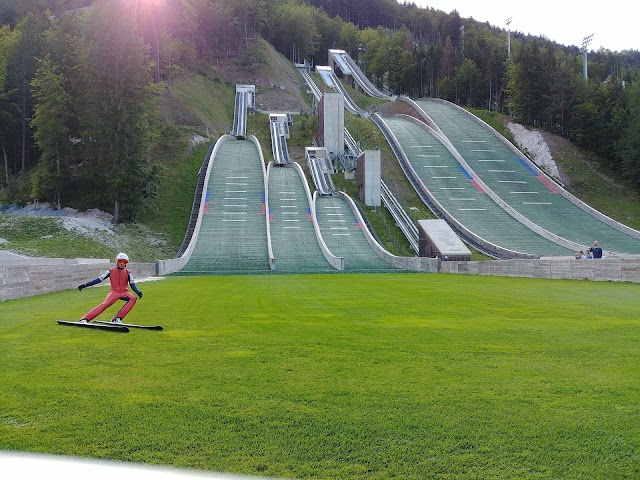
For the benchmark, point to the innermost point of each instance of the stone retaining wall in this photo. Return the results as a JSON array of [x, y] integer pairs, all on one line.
[[28, 277], [605, 269], [34, 276]]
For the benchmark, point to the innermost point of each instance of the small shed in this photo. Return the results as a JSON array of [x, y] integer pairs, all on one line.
[[437, 239]]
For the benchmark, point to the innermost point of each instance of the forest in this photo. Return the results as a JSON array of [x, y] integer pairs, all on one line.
[[80, 81]]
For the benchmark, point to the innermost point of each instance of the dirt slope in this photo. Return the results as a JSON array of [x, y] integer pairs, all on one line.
[[278, 84]]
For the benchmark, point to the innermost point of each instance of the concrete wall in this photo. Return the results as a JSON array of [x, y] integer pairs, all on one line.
[[28, 277], [605, 269], [333, 121], [34, 276], [369, 177]]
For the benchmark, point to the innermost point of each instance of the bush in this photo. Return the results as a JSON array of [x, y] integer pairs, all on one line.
[[19, 190]]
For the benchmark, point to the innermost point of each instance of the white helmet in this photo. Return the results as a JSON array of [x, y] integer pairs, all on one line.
[[122, 256]]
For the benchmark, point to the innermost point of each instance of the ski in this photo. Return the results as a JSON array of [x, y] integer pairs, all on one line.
[[130, 325], [113, 328]]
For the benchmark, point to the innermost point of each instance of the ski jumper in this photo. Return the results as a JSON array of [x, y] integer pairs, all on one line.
[[120, 279]]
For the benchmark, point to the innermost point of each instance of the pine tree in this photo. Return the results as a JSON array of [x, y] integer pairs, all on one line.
[[119, 105], [51, 123], [8, 39]]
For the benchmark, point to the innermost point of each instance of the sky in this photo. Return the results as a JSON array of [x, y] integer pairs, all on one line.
[[567, 22]]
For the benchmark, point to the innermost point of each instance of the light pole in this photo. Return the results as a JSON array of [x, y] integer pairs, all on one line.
[[421, 80], [585, 43]]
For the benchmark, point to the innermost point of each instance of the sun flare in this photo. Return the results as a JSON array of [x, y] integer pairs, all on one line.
[[143, 8], [150, 3]]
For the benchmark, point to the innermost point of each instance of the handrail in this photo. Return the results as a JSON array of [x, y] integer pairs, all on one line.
[[405, 223], [351, 143], [279, 130], [362, 79], [348, 101], [166, 267], [272, 258], [315, 90], [240, 115], [275, 145], [197, 199], [322, 180]]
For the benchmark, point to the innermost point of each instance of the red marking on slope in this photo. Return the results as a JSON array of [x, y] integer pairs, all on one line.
[[478, 187], [548, 184]]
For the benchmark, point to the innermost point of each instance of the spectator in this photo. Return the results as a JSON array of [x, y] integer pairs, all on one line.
[[596, 250]]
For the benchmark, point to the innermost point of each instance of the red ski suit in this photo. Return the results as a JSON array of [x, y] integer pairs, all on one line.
[[120, 279]]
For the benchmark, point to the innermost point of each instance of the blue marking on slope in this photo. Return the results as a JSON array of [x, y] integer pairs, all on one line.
[[465, 173], [531, 170]]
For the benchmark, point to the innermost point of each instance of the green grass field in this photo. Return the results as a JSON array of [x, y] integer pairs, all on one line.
[[336, 376]]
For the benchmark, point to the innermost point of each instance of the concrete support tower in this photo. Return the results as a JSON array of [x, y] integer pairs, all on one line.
[[331, 122], [369, 177]]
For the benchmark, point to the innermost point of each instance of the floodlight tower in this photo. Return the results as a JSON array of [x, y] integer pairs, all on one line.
[[585, 44], [509, 37]]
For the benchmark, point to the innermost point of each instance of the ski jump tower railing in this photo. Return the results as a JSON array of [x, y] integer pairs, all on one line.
[[320, 168], [332, 81], [343, 61], [279, 127], [327, 74], [245, 100]]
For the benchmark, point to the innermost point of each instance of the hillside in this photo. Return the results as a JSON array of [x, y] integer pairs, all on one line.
[[206, 99], [279, 87], [201, 105], [588, 178]]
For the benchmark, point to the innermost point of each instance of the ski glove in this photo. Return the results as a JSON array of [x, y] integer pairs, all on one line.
[[80, 287], [139, 294]]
